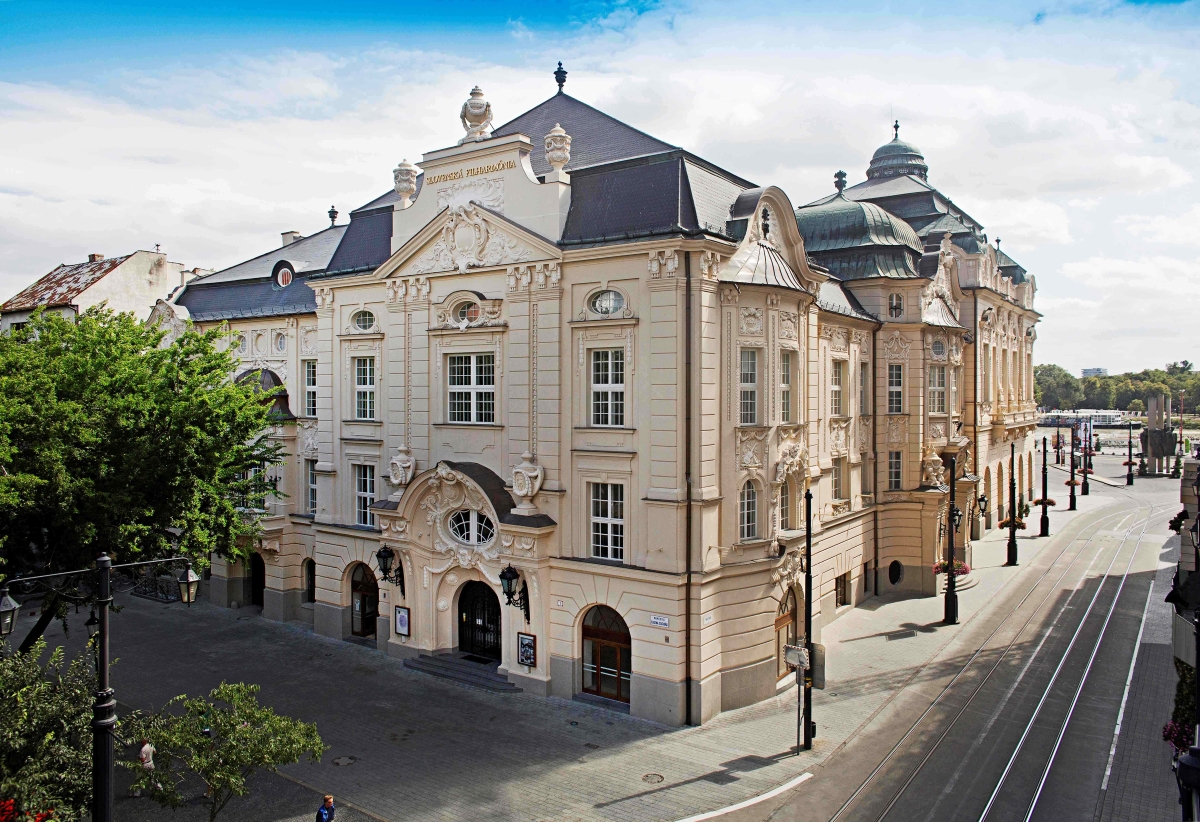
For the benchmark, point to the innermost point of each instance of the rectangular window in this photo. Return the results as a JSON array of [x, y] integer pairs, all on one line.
[[364, 494], [894, 470], [837, 377], [937, 389], [364, 388], [608, 387], [472, 388], [987, 373], [608, 520], [895, 388], [843, 589], [785, 506], [310, 388], [864, 389], [749, 383], [785, 386], [839, 480], [953, 389], [310, 479], [748, 513]]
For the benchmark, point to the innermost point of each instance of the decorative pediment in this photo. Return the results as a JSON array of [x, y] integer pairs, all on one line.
[[895, 348]]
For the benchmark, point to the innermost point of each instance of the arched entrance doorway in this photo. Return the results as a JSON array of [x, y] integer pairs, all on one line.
[[606, 654], [479, 621], [258, 579], [786, 632], [364, 601]]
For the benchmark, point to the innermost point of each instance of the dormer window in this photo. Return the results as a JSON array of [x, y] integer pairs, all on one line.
[[283, 277], [466, 312], [895, 305], [363, 320], [607, 302]]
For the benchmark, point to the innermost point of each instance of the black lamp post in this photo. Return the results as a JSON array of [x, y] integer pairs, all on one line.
[[1058, 441], [513, 597], [1129, 459], [1012, 506], [955, 516], [8, 612], [1087, 452], [1045, 492], [384, 558], [1071, 484], [808, 598]]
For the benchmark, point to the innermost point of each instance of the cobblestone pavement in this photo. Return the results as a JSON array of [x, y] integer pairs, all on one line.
[[419, 748]]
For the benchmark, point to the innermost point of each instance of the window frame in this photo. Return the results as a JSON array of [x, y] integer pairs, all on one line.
[[308, 372], [475, 520], [608, 412], [364, 494], [785, 506], [748, 412], [606, 521], [837, 480], [785, 385], [364, 389], [748, 512], [895, 388], [310, 483], [837, 394], [937, 389], [480, 396], [864, 389], [895, 470]]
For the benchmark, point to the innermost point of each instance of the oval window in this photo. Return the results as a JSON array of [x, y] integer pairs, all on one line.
[[281, 342], [466, 311], [364, 320], [241, 343], [283, 277], [607, 302], [939, 348], [471, 527]]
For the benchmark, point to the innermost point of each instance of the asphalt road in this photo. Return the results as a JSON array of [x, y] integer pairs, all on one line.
[[1024, 729]]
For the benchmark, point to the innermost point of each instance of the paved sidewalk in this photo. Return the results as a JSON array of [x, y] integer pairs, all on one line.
[[407, 746]]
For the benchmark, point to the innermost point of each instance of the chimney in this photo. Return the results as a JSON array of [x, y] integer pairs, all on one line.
[[95, 258], [290, 237]]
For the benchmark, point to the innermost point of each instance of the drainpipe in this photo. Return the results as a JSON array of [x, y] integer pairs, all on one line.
[[975, 380], [687, 476], [875, 450]]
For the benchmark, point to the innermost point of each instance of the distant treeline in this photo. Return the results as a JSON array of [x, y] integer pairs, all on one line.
[[1056, 388]]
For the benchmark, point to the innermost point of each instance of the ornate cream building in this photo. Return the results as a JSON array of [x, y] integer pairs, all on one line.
[[567, 352]]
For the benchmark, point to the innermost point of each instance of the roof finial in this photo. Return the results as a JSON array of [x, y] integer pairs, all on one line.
[[332, 216], [560, 76], [896, 128], [997, 243], [839, 181]]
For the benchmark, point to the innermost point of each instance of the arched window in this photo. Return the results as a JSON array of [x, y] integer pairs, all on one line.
[[785, 632], [785, 506], [748, 512], [364, 601], [606, 654], [310, 580], [471, 527]]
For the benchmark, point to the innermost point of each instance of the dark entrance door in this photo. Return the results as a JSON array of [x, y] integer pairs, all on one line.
[[258, 579], [606, 654], [479, 621], [364, 601]]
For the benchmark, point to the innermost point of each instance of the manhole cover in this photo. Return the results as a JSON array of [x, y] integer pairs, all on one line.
[[653, 778], [345, 760]]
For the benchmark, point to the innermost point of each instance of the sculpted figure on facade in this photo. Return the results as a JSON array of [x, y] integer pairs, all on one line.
[[793, 459], [476, 117], [405, 176], [932, 472]]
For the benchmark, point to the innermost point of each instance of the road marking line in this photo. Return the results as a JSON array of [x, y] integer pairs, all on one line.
[[1112, 752], [754, 800]]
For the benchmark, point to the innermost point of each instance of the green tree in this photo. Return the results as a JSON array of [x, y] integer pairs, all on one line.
[[107, 440], [1179, 368], [1136, 406], [1056, 388], [1098, 393], [46, 733], [223, 740]]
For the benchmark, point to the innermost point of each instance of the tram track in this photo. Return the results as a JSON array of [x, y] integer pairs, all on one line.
[[1081, 543]]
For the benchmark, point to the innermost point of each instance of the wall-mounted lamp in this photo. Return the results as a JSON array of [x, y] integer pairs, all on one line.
[[515, 598]]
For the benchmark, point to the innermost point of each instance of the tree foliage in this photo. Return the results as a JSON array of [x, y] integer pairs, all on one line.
[[46, 734], [1055, 387], [223, 740], [107, 440], [1058, 389]]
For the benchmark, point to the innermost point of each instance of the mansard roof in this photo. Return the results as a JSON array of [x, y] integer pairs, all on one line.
[[859, 240], [834, 296]]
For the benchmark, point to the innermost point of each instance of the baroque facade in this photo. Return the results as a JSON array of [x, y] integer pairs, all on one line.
[[567, 351]]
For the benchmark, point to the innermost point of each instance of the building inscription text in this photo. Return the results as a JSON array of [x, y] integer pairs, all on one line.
[[491, 168]]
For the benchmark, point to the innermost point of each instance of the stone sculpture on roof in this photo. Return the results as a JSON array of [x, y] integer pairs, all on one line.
[[476, 117]]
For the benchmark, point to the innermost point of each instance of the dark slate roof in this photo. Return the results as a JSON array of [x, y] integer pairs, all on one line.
[[209, 302], [666, 194], [366, 244], [389, 198], [1009, 267], [596, 137], [62, 285], [306, 255], [493, 487], [834, 296]]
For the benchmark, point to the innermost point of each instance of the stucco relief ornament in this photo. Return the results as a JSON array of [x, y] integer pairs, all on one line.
[[751, 322], [897, 428], [308, 438], [476, 117], [895, 349], [932, 472], [793, 459], [747, 450], [558, 147], [787, 325], [467, 239], [789, 572], [527, 481], [400, 470], [450, 491], [838, 430], [864, 434], [405, 176]]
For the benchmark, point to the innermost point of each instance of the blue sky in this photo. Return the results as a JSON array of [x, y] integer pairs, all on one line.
[[1071, 130]]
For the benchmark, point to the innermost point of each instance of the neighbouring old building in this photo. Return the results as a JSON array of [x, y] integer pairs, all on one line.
[[570, 357]]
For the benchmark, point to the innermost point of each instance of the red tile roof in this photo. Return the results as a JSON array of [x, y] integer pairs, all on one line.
[[62, 285]]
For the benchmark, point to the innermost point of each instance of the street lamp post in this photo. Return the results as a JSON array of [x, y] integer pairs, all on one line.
[[808, 598], [1012, 506], [1087, 461], [104, 705], [1045, 492], [1071, 484], [1129, 459], [955, 517]]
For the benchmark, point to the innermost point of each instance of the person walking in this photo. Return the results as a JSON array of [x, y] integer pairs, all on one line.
[[146, 757], [327, 810]]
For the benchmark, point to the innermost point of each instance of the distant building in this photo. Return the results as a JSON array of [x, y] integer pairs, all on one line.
[[1095, 372], [131, 283]]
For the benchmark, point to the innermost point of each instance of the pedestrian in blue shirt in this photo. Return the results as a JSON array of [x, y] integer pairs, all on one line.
[[326, 811]]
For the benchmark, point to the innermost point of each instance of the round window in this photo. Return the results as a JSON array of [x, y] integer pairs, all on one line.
[[939, 348], [471, 527], [281, 342], [364, 320], [283, 277], [607, 302], [466, 311]]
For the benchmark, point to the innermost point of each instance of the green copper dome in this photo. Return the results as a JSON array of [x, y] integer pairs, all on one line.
[[857, 240], [897, 158]]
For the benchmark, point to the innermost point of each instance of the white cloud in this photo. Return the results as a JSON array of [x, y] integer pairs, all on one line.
[[1180, 229]]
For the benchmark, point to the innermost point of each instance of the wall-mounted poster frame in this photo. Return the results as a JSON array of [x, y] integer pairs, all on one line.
[[402, 628], [527, 650]]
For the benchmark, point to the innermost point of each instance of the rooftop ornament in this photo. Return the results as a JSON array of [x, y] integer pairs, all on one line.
[[839, 180], [560, 77], [896, 129], [333, 212], [476, 117], [405, 176]]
